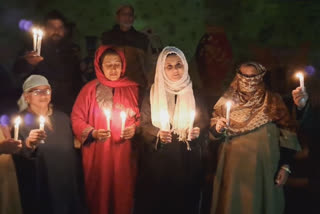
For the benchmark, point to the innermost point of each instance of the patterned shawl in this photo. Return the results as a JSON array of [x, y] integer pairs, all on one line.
[[252, 105]]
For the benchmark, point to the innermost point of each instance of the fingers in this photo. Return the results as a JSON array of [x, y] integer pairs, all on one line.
[[195, 133], [128, 132], [282, 178], [165, 136], [37, 135]]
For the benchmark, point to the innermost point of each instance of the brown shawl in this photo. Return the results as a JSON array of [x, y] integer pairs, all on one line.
[[252, 105]]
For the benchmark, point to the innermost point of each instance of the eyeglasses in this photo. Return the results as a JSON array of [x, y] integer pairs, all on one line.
[[38, 92]]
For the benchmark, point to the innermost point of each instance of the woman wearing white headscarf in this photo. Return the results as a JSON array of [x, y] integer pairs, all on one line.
[[48, 168], [170, 172]]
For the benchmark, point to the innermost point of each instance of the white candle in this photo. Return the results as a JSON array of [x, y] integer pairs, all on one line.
[[192, 116], [301, 78], [123, 121], [228, 106], [17, 122], [35, 37], [107, 113], [164, 119], [39, 40], [42, 121]]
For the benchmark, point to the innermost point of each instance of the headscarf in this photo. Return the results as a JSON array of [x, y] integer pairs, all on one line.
[[30, 83], [163, 92], [121, 85], [252, 105]]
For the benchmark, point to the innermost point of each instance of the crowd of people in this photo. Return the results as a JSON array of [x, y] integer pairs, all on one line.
[[136, 138]]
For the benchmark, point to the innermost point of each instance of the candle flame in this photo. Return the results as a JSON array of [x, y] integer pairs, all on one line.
[[42, 119], [299, 75], [123, 115], [228, 104], [192, 115], [107, 113], [17, 121]]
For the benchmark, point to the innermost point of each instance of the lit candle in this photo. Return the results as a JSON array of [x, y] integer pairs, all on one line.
[[42, 121], [107, 113], [228, 105], [301, 78], [123, 121], [164, 119], [40, 34], [35, 37], [17, 122], [192, 115]]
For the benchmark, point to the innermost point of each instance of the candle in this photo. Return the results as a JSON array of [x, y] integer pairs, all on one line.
[[228, 105], [123, 121], [42, 121], [192, 115], [301, 78], [107, 113], [164, 119], [40, 34], [35, 37], [17, 122]]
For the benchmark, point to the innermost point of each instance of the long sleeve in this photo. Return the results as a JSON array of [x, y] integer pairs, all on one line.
[[148, 131], [80, 114]]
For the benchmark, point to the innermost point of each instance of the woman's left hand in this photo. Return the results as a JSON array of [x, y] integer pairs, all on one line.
[[195, 133], [282, 177], [129, 132]]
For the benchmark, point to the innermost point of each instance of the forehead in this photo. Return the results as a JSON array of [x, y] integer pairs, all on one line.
[[55, 22], [248, 69], [41, 87], [173, 59], [125, 10], [111, 57]]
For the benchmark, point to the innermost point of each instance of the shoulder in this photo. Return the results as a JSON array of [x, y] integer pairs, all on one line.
[[89, 86], [61, 116]]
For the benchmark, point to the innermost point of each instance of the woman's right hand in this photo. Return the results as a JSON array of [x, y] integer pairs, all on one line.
[[32, 58], [101, 134], [165, 136], [35, 136], [221, 125], [10, 146]]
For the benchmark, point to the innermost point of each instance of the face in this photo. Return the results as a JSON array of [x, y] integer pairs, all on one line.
[[38, 97], [248, 70], [125, 17], [112, 66], [174, 68], [55, 30]]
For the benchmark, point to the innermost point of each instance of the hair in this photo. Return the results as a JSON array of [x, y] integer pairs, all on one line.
[[125, 6], [109, 51], [55, 14]]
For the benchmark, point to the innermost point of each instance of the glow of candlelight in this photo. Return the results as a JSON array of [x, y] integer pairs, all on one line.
[[301, 78], [108, 115], [123, 121], [164, 119], [39, 40], [192, 116], [228, 106], [17, 122]]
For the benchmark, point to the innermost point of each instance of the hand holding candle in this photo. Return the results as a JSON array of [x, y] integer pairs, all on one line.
[[302, 101], [164, 119], [17, 122], [123, 122], [192, 116]]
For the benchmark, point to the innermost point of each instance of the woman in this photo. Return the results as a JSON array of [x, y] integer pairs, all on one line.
[[48, 167], [9, 190], [171, 159], [108, 164], [258, 145]]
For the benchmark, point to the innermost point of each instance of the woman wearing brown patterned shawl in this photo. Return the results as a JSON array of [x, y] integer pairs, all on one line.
[[254, 157]]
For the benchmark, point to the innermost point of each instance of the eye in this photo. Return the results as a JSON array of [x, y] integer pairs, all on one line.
[[169, 67]]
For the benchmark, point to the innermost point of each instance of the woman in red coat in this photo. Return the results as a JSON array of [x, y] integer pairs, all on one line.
[[109, 168]]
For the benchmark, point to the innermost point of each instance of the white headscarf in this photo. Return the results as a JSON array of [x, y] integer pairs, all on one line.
[[30, 83], [162, 96]]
